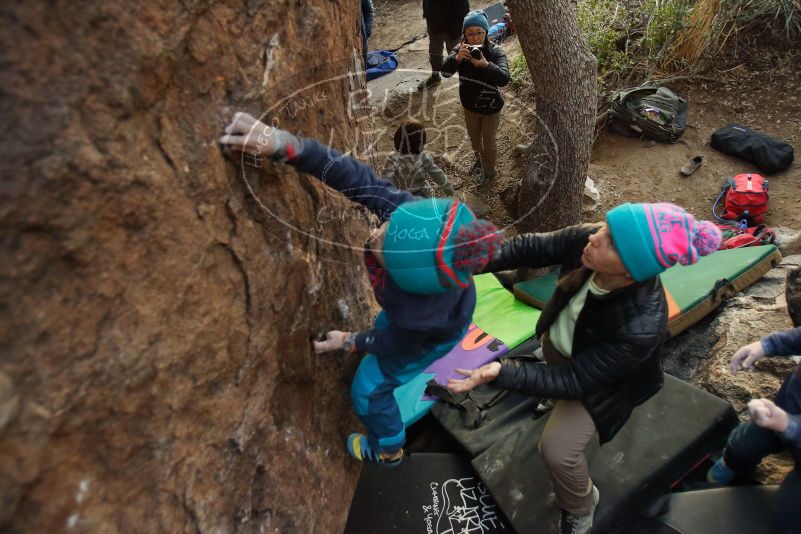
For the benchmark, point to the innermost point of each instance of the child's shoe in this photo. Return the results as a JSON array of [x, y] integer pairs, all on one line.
[[720, 473], [359, 449]]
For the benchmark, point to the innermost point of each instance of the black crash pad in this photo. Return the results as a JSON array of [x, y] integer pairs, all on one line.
[[427, 493], [728, 510], [665, 438]]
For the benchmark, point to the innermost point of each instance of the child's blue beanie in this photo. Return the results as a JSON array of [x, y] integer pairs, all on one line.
[[435, 244]]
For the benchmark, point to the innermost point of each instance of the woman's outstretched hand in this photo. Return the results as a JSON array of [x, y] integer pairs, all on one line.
[[245, 133], [475, 377]]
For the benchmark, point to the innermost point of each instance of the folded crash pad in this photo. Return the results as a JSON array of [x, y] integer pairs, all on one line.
[[692, 291], [727, 510], [500, 323], [664, 439], [426, 493]]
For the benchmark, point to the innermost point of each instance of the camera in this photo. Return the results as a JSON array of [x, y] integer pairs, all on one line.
[[475, 51]]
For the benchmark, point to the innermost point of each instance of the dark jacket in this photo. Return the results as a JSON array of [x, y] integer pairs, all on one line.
[[615, 363], [478, 88], [445, 16], [416, 322]]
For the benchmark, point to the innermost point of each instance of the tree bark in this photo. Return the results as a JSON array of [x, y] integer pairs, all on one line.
[[563, 70]]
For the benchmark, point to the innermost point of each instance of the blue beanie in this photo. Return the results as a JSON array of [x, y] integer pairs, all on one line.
[[475, 18], [435, 244]]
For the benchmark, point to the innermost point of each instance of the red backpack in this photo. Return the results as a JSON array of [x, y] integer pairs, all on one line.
[[735, 237], [744, 197]]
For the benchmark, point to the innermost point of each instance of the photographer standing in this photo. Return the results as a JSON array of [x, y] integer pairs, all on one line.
[[483, 68]]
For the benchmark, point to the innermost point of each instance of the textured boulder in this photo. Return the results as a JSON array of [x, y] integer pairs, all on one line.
[[156, 371], [702, 354]]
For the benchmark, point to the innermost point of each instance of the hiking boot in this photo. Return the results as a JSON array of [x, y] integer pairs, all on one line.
[[691, 166], [359, 449], [720, 473], [432, 81], [476, 168], [487, 177], [574, 524]]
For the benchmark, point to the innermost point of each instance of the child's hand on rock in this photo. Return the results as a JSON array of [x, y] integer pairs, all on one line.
[[334, 340], [245, 133], [746, 356]]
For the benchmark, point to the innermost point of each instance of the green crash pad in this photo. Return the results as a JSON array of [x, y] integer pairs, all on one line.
[[501, 315], [692, 291]]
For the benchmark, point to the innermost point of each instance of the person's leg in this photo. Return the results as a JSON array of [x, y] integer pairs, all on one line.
[[564, 440], [373, 395], [435, 43], [786, 513], [489, 131], [375, 405], [748, 444], [472, 122], [450, 43]]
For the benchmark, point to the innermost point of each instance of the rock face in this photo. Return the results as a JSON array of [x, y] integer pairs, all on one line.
[[156, 371], [702, 354]]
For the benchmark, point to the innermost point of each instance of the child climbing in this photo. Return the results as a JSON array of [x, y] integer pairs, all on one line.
[[420, 262], [601, 334], [774, 427], [409, 166]]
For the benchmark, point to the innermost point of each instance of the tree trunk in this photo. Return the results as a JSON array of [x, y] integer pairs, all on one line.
[[563, 71]]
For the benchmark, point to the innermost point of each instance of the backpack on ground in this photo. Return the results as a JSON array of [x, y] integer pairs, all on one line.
[[767, 153], [745, 197], [736, 237], [655, 113], [380, 62]]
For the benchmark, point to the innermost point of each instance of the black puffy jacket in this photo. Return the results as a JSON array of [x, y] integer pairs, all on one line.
[[445, 16], [478, 88], [615, 362]]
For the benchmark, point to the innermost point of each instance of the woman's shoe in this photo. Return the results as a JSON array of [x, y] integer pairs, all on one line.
[[691, 166], [476, 168], [487, 177]]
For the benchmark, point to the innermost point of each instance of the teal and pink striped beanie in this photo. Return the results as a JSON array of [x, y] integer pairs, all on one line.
[[652, 237]]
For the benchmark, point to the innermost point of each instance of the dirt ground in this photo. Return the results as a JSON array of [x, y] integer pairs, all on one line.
[[762, 91]]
